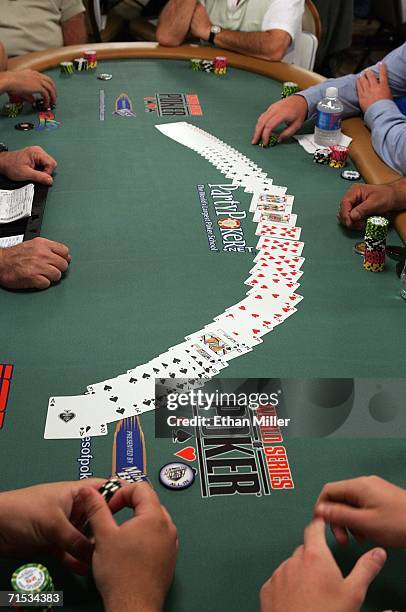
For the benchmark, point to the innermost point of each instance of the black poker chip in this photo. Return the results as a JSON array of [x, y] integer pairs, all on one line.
[[350, 175], [24, 126], [177, 476]]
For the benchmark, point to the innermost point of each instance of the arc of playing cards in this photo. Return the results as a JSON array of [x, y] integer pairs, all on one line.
[[270, 300]]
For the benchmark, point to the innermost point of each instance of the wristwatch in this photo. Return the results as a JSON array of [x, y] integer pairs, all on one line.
[[3, 147], [214, 30]]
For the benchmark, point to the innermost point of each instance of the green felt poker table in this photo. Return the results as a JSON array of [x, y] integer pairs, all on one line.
[[125, 201]]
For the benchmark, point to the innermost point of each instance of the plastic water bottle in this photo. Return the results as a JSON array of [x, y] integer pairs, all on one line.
[[327, 131], [403, 282]]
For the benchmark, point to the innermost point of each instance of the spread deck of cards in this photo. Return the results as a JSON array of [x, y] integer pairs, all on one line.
[[270, 299]]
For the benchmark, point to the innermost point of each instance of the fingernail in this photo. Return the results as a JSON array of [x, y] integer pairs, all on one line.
[[379, 556]]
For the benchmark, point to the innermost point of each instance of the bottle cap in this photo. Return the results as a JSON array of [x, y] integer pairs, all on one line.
[[331, 92]]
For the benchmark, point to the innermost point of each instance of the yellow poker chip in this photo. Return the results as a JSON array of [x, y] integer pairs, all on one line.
[[359, 247]]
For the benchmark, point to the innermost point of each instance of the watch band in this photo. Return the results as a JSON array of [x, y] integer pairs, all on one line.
[[211, 37], [3, 147]]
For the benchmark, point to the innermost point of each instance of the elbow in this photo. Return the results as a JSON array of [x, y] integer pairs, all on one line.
[[276, 54], [166, 39]]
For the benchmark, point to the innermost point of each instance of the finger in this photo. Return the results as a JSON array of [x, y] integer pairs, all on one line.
[[39, 282], [370, 206], [41, 158], [365, 571], [340, 534], [63, 251], [139, 496], [29, 174], [383, 73], [51, 87], [315, 534], [42, 90], [70, 540], [298, 552], [290, 130], [371, 78], [51, 273], [78, 567], [342, 515], [341, 491], [360, 84], [58, 262], [97, 512], [258, 130]]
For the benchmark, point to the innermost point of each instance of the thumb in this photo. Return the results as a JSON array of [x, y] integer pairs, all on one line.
[[368, 207], [37, 176], [291, 129], [96, 512], [365, 571]]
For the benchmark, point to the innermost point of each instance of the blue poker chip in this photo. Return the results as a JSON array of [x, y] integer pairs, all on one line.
[[177, 476], [350, 175]]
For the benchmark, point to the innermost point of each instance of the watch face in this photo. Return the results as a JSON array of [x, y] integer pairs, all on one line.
[[215, 29]]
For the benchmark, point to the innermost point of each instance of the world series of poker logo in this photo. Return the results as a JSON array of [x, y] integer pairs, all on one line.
[[227, 227], [173, 105], [6, 374]]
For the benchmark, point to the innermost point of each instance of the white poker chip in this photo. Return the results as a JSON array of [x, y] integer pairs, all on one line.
[[104, 76], [176, 476], [30, 579], [350, 175]]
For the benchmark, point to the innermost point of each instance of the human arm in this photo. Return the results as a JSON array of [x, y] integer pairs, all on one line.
[[3, 58], [74, 30], [28, 164], [133, 563], [271, 45], [369, 507], [174, 22], [362, 201], [311, 579], [39, 519]]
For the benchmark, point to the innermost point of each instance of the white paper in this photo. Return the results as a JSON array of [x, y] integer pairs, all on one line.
[[16, 203], [307, 142]]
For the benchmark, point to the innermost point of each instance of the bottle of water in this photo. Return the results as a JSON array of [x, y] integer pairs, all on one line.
[[327, 131], [403, 282]]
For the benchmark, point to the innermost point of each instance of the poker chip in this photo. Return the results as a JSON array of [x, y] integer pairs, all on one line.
[[289, 88], [350, 175], [111, 486], [359, 247], [32, 578], [91, 56], [376, 230], [80, 64], [322, 156], [196, 64], [273, 140], [176, 476], [24, 126], [11, 110], [66, 68], [207, 66], [104, 76], [338, 156], [220, 65]]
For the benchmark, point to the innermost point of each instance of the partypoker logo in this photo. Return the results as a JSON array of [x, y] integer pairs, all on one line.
[[6, 373]]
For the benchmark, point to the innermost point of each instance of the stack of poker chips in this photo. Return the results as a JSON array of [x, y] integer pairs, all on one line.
[[80, 64], [196, 64], [91, 57], [338, 156], [33, 578], [220, 65], [322, 156], [289, 88], [10, 110], [273, 140], [66, 68], [207, 66], [376, 230]]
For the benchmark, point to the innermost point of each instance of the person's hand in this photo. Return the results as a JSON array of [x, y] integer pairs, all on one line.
[[33, 264], [370, 89], [40, 519], [312, 580], [28, 164], [26, 83], [369, 507], [200, 24], [362, 201], [292, 111], [133, 564]]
